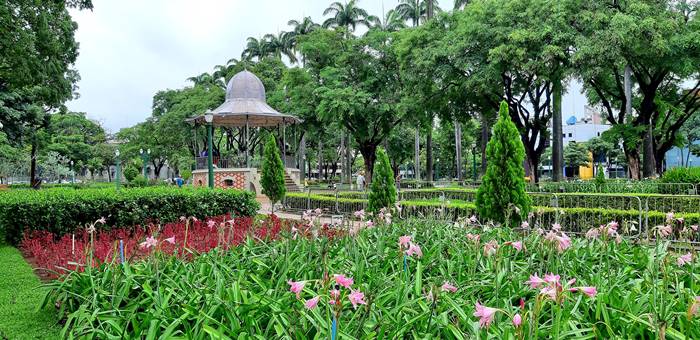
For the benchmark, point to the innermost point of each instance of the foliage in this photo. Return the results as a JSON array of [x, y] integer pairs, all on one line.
[[502, 191], [681, 175], [576, 155], [139, 181], [130, 172], [600, 177], [19, 298], [383, 188], [63, 210], [272, 178], [624, 275]]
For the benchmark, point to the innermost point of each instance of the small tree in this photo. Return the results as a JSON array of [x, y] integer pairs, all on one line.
[[576, 155], [600, 178], [272, 179], [503, 186], [383, 189]]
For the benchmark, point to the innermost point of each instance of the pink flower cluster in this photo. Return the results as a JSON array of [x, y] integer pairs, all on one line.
[[558, 238], [405, 243], [356, 297], [551, 287], [606, 231]]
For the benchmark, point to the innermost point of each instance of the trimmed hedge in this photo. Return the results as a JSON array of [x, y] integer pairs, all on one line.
[[574, 219], [61, 211]]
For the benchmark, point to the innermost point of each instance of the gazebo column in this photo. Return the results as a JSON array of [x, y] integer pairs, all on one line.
[[284, 144], [210, 148], [247, 144]]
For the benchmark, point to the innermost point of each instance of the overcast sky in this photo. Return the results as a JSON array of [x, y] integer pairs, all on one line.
[[130, 49]]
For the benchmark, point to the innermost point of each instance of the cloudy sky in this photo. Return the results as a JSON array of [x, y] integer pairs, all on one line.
[[130, 49]]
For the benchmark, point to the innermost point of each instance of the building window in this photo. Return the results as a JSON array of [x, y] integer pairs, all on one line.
[[598, 134], [570, 134], [228, 182], [563, 135]]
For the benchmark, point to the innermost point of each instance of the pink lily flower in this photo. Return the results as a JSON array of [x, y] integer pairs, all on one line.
[[335, 295], [404, 240], [535, 281], [556, 227], [592, 233], [356, 297], [414, 249], [517, 320], [447, 287], [683, 259], [517, 245], [665, 230], [473, 237], [311, 303], [589, 291], [296, 287], [485, 314], [170, 240], [525, 225], [490, 248], [473, 219], [150, 242], [550, 292], [563, 242], [552, 279], [694, 227], [211, 224], [369, 224], [694, 307], [343, 281]]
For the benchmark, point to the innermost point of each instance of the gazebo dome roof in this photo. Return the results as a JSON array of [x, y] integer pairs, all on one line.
[[245, 85]]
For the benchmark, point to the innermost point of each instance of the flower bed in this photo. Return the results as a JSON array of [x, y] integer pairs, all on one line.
[[58, 255], [415, 279]]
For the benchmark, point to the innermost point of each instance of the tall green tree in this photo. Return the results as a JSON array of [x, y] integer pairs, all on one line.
[[347, 15], [272, 178], [660, 43], [382, 192], [502, 188], [36, 59]]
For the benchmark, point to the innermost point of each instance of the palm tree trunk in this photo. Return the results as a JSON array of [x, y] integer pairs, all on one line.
[[557, 136]]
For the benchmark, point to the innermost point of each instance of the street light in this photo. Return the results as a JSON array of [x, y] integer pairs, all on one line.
[[144, 157], [117, 170], [209, 118], [72, 170]]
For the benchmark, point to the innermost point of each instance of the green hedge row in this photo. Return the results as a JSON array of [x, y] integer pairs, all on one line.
[[574, 219], [61, 211], [654, 202]]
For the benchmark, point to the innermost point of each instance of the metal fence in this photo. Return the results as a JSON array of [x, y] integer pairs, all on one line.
[[576, 212]]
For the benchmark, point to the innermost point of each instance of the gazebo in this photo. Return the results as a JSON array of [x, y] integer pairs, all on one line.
[[245, 107]]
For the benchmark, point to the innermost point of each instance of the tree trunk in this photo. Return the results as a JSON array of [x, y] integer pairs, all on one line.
[[344, 169], [416, 159], [429, 152], [348, 160], [557, 136], [532, 160], [458, 150], [633, 163], [649, 166], [33, 182], [485, 135], [320, 158], [369, 153]]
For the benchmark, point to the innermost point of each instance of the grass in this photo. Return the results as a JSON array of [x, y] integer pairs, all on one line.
[[20, 297]]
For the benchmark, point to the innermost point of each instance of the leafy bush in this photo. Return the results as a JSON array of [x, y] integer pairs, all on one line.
[[272, 179], [600, 178], [383, 189], [138, 182], [681, 175], [502, 188], [61, 211], [130, 172]]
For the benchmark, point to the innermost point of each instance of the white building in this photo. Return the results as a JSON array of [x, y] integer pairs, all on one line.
[[584, 129]]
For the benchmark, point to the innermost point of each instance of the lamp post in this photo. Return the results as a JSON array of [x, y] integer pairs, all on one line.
[[144, 157], [72, 171], [209, 118], [117, 170]]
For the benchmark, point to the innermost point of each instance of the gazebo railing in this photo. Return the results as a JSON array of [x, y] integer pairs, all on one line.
[[221, 163]]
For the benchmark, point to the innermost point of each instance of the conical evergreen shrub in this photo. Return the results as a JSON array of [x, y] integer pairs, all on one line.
[[502, 188], [383, 189], [272, 179]]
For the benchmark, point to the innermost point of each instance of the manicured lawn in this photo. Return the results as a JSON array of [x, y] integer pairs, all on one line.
[[20, 297]]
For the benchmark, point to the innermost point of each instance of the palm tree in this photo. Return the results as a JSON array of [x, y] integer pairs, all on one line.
[[254, 49], [206, 79], [224, 71], [393, 21], [347, 15], [416, 11], [303, 27], [460, 4]]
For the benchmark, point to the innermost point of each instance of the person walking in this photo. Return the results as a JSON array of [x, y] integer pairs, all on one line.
[[360, 181]]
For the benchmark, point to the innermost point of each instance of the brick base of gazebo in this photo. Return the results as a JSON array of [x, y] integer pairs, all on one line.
[[241, 179]]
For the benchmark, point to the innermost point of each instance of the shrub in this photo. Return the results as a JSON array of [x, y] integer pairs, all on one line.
[[130, 172], [503, 186], [61, 211], [138, 182], [383, 189], [600, 178], [186, 174], [681, 175], [272, 179]]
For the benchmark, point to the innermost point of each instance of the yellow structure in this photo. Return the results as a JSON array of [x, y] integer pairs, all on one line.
[[586, 172]]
